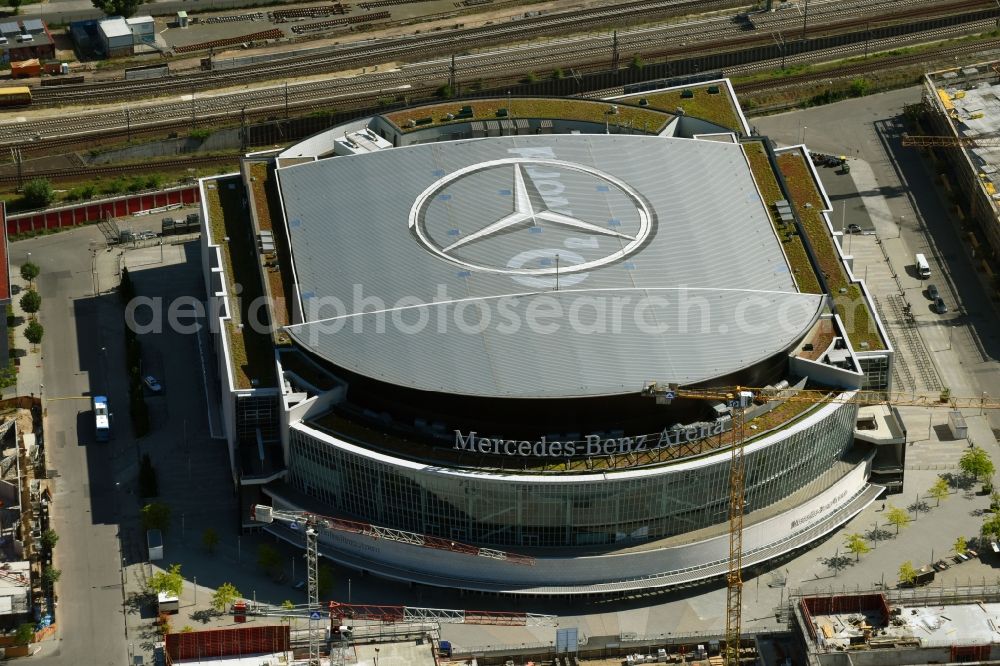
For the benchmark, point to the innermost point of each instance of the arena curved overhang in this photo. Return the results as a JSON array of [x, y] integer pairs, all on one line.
[[540, 266], [818, 415]]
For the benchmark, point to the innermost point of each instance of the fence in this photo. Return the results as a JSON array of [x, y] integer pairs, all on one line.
[[92, 211], [226, 642]]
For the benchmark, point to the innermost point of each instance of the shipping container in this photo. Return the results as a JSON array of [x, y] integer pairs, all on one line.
[[25, 68]]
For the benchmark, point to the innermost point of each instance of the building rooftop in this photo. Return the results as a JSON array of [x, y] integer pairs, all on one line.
[[878, 423], [664, 227], [907, 626], [15, 587], [115, 26], [407, 120], [11, 29]]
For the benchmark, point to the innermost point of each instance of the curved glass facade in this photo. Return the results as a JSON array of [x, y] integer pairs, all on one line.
[[608, 509]]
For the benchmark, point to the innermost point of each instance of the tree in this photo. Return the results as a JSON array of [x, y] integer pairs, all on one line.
[[29, 271], [31, 301], [961, 545], [34, 332], [268, 558], [156, 516], [991, 528], [25, 633], [907, 573], [49, 539], [117, 7], [224, 597], [939, 490], [637, 63], [977, 463], [897, 517], [170, 581], [38, 193], [857, 545], [210, 539], [15, 5], [50, 576]]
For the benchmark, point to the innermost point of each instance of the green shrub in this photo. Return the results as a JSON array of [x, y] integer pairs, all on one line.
[[38, 193]]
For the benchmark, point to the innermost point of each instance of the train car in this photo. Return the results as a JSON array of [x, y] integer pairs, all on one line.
[[19, 96]]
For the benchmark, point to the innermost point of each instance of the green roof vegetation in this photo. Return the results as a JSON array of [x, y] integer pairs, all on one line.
[[717, 108], [791, 242], [251, 352], [848, 300], [265, 201], [649, 120]]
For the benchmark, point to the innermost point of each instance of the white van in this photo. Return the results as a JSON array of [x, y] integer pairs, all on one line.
[[923, 268]]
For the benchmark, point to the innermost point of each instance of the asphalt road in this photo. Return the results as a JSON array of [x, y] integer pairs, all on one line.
[[869, 129], [85, 506]]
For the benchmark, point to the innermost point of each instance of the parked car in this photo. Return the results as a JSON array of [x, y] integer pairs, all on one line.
[[145, 234], [932, 292], [853, 229], [939, 305], [152, 384]]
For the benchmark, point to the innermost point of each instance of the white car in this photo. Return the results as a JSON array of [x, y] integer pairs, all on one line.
[[152, 384]]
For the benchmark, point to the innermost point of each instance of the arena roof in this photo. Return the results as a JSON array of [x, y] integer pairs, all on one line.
[[540, 266]]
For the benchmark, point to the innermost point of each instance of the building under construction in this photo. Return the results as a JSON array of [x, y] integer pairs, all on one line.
[[962, 132]]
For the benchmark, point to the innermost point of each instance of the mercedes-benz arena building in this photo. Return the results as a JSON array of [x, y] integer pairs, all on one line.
[[472, 324]]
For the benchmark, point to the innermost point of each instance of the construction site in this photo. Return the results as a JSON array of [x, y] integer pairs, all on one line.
[[960, 130]]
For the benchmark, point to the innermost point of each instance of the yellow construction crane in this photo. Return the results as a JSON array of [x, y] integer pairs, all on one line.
[[739, 398]]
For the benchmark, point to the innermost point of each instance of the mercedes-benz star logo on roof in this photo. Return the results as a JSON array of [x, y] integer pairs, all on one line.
[[613, 223]]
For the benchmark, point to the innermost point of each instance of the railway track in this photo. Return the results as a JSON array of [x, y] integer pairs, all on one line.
[[365, 98], [391, 83], [87, 173], [414, 80], [349, 57], [866, 67], [714, 32]]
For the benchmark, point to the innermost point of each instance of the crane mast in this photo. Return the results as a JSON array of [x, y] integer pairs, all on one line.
[[739, 399], [734, 577]]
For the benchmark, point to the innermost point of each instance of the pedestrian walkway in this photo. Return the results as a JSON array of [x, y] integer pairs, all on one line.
[[29, 369]]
